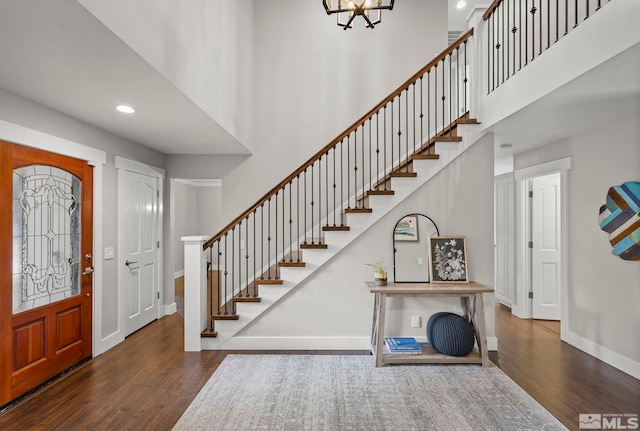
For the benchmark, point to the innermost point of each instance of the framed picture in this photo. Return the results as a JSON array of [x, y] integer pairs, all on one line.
[[448, 259], [406, 229]]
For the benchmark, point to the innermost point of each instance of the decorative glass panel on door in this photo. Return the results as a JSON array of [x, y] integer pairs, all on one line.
[[46, 236]]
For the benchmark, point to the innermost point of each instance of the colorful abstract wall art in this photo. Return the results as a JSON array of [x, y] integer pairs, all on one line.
[[620, 218]]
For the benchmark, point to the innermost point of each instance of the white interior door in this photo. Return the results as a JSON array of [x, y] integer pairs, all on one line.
[[140, 276], [505, 239], [545, 254]]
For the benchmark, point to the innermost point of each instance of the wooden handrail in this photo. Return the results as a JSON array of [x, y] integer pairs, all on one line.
[[462, 39], [492, 7]]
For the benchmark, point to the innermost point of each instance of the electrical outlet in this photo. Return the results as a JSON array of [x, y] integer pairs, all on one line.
[[241, 244], [416, 321], [108, 253]]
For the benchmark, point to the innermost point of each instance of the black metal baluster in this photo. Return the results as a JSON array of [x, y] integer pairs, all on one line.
[[334, 188], [269, 239], [548, 24], [312, 204], [533, 30], [444, 98], [291, 223], [576, 10], [233, 271], [255, 286], [304, 225], [261, 241], [435, 99], [363, 165], [450, 95], [520, 33], [526, 36], [587, 11], [319, 196], [378, 149], [506, 38], [406, 127], [413, 117], [566, 17], [348, 171], [298, 211], [502, 28], [421, 116], [514, 30], [384, 145], [400, 132], [489, 45], [246, 246], [370, 156], [466, 109], [355, 168], [218, 277], [276, 241], [341, 182], [284, 189], [326, 193], [429, 110], [391, 143], [557, 20], [224, 299], [540, 28]]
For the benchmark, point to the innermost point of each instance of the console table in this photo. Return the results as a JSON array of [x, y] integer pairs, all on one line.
[[470, 295]]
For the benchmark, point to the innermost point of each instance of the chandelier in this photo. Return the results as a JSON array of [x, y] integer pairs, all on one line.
[[348, 10]]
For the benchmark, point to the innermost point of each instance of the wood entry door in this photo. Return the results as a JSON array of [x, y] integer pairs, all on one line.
[[46, 232]]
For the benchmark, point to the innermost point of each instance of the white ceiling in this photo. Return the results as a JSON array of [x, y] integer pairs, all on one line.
[[57, 54]]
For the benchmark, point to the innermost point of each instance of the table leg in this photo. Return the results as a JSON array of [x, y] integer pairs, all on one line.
[[479, 324], [374, 323], [382, 306]]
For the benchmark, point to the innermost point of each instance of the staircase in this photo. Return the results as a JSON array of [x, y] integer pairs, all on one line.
[[298, 266]]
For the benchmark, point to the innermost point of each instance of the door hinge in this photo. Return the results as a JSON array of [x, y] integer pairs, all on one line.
[[158, 244], [530, 295], [158, 295], [530, 244], [530, 193], [157, 193]]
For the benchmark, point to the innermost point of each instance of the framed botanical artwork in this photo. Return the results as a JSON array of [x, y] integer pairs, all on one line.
[[406, 229], [448, 259]]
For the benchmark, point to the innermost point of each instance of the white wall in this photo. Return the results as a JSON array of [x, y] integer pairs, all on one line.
[[312, 80], [204, 47], [335, 304], [32, 116], [603, 291]]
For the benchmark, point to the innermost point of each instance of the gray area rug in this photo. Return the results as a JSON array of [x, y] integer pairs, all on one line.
[[316, 392]]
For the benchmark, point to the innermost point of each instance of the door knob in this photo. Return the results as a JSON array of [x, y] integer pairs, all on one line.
[[129, 262], [87, 270]]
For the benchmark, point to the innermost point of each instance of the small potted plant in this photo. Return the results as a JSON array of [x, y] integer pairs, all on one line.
[[379, 273]]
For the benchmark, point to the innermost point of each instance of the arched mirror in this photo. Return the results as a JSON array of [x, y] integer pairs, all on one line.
[[411, 248]]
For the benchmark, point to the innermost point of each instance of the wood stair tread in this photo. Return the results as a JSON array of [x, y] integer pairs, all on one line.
[[425, 157], [380, 192], [403, 174], [447, 138], [269, 277], [293, 259], [357, 210], [225, 316], [335, 228], [313, 243], [208, 333]]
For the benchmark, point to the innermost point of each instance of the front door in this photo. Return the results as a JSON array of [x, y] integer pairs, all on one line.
[[140, 277], [46, 233]]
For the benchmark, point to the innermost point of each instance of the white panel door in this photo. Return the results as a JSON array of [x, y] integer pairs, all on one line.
[[140, 230], [545, 256], [505, 240]]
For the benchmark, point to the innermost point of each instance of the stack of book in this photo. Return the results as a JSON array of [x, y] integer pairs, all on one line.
[[402, 345]]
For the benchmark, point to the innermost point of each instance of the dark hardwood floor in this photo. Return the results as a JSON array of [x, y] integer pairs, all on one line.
[[146, 382]]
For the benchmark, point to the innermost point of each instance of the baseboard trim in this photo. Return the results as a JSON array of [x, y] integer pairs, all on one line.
[[109, 342], [606, 355], [492, 344], [178, 274], [170, 309]]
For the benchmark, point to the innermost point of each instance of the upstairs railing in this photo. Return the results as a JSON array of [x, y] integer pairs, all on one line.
[[520, 30], [358, 163]]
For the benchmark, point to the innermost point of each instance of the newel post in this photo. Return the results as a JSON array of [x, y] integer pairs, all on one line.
[[195, 304]]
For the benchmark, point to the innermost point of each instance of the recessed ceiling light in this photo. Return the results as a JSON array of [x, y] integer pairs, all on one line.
[[506, 146], [461, 4], [125, 109]]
